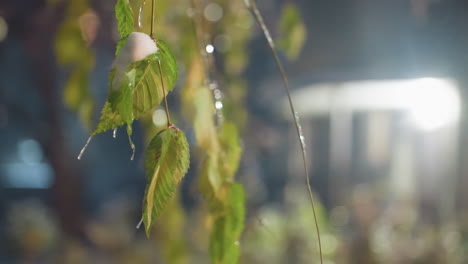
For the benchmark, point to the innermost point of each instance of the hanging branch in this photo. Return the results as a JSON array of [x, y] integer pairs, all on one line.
[[166, 105], [207, 59], [252, 7]]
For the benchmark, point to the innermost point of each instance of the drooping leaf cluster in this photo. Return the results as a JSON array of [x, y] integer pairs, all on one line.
[[141, 86], [140, 89], [221, 150]]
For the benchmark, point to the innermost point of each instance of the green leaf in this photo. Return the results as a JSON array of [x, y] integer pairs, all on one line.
[[125, 22], [203, 124], [69, 43], [293, 32], [77, 95], [124, 16], [139, 90], [166, 162], [221, 164], [228, 226], [231, 154], [211, 180]]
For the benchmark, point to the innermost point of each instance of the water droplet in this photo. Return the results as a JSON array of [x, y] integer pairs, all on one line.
[[84, 148], [213, 85], [114, 134], [218, 95], [133, 152], [139, 223], [140, 14], [219, 105], [209, 48]]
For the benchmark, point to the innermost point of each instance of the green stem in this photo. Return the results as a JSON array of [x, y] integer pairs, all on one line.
[[252, 7], [169, 123], [152, 20]]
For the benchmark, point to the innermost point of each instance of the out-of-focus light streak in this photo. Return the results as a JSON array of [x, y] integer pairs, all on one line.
[[431, 103]]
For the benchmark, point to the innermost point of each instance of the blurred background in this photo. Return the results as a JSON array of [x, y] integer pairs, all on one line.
[[381, 88]]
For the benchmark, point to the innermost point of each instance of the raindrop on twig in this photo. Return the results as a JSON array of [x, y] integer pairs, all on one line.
[[139, 223], [133, 151], [84, 147]]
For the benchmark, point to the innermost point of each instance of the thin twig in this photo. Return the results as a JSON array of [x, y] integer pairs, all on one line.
[[152, 20], [169, 123], [252, 7], [168, 115]]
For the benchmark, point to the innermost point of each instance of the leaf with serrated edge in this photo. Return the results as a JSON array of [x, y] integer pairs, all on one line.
[[124, 16], [166, 162], [125, 22], [140, 90]]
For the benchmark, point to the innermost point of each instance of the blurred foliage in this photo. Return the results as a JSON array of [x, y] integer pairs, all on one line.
[[292, 31], [284, 235], [274, 234], [171, 233], [73, 52], [227, 228]]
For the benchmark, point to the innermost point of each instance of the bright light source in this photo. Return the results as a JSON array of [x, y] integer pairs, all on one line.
[[435, 103], [431, 103], [209, 48], [219, 105]]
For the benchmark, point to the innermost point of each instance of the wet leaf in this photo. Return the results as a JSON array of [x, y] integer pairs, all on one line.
[[140, 89], [166, 162]]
